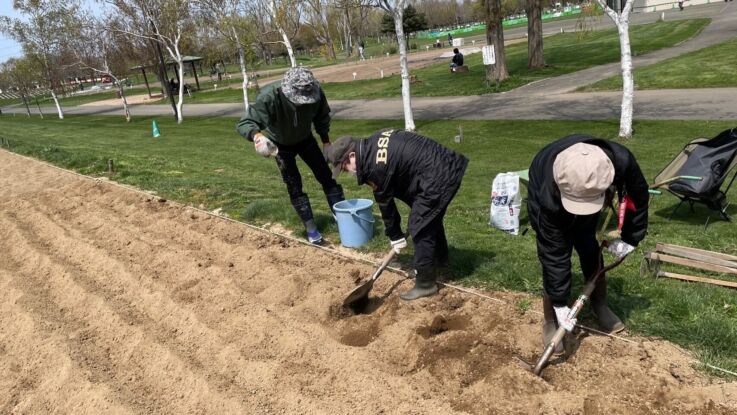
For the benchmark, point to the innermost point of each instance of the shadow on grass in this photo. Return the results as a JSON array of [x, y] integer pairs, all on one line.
[[696, 215], [464, 262]]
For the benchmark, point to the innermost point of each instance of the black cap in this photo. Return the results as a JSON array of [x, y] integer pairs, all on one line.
[[338, 152]]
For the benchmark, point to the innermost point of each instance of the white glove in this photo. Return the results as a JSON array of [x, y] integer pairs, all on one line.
[[561, 313], [264, 146], [399, 244], [619, 248]]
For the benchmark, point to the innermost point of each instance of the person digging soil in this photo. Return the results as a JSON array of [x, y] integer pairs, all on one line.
[[421, 173], [569, 182]]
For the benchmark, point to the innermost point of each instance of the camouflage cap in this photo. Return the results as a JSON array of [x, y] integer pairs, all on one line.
[[300, 86]]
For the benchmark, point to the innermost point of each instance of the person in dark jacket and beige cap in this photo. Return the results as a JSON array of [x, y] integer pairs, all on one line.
[[280, 125], [570, 181], [421, 173]]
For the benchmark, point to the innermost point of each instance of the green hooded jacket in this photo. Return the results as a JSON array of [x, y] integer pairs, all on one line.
[[283, 122]]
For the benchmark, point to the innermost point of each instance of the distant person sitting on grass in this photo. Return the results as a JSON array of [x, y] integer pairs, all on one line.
[[280, 125], [457, 59]]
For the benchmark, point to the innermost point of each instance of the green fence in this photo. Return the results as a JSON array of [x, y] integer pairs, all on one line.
[[431, 34]]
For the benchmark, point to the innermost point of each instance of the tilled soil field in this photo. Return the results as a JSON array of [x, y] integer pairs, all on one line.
[[115, 301]]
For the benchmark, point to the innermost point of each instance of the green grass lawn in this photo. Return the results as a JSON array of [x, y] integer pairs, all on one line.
[[204, 162], [711, 67], [46, 101], [564, 53]]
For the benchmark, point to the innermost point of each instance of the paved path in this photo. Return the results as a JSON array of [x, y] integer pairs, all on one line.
[[547, 99], [722, 28]]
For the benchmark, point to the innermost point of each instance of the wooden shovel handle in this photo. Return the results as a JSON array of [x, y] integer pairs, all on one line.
[[384, 263]]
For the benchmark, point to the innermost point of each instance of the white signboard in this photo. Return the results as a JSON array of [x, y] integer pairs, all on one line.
[[488, 54], [458, 42]]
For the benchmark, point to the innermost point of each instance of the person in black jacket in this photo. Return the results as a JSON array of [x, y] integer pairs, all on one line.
[[421, 173], [457, 59], [570, 180], [280, 125]]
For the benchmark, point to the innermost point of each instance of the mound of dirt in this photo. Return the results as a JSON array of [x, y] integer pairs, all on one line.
[[113, 301]]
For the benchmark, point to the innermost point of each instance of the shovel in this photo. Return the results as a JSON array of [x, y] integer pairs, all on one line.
[[361, 292], [577, 306]]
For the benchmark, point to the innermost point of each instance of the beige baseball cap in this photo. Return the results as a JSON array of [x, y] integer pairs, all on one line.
[[583, 173]]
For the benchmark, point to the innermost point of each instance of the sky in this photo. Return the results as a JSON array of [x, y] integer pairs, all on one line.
[[8, 47]]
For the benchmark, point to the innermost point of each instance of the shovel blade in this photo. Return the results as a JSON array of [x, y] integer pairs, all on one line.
[[524, 364], [359, 293]]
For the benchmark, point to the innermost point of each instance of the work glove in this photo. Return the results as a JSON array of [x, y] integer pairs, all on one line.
[[619, 248], [561, 313], [325, 150], [399, 244], [264, 146]]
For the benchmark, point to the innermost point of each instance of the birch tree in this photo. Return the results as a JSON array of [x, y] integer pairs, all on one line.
[[396, 8], [320, 24], [41, 35], [23, 75], [97, 48], [229, 19], [165, 22], [279, 11], [621, 20]]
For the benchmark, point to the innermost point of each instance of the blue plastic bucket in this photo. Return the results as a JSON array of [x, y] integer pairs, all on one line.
[[355, 221]]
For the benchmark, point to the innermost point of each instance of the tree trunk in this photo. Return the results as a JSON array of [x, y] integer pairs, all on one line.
[[621, 20], [25, 102], [347, 31], [535, 55], [39, 107], [495, 36], [288, 45], [628, 82], [126, 110], [180, 102], [283, 33], [58, 107], [330, 45], [242, 62], [409, 122]]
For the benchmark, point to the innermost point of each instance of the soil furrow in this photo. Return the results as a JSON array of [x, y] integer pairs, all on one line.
[[114, 301], [86, 318]]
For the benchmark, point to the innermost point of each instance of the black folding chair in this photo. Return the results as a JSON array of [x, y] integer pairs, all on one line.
[[711, 160]]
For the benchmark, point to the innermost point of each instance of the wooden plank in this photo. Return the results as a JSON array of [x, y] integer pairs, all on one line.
[[692, 278], [687, 253], [719, 255], [690, 263]]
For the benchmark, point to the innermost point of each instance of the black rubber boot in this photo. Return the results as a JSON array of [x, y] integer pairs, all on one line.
[[608, 321], [425, 285], [302, 206], [334, 196], [550, 325]]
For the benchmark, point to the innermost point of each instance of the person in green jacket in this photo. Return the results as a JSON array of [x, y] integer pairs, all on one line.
[[280, 123]]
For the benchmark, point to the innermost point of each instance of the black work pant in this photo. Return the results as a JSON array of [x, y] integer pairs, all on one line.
[[554, 247], [309, 151], [430, 244]]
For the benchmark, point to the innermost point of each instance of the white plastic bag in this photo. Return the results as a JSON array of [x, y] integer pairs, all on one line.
[[505, 202]]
